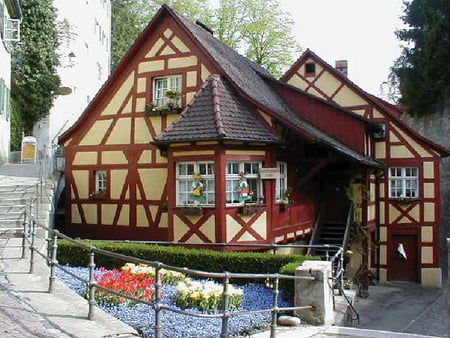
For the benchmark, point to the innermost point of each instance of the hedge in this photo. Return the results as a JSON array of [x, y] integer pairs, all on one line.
[[196, 259]]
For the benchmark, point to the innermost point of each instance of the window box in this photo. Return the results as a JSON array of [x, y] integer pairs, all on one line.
[[98, 195], [192, 211], [249, 209], [153, 110], [404, 200]]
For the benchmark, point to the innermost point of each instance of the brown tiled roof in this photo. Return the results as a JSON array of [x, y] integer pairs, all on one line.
[[218, 112], [251, 78]]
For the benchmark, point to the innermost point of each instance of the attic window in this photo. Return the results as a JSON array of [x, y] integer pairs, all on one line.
[[163, 87], [310, 69]]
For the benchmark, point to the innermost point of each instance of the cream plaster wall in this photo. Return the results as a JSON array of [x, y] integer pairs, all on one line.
[[96, 133], [117, 182], [86, 157], [431, 277], [154, 181]]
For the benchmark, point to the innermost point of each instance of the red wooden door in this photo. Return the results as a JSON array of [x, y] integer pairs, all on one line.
[[403, 268]]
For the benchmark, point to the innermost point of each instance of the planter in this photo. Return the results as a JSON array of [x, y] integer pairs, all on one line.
[[284, 207], [249, 209], [98, 195], [157, 111], [192, 211]]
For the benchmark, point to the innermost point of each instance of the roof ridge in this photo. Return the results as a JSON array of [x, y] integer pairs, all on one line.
[[218, 117]]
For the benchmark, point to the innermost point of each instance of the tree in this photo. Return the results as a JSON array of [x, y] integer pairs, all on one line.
[[423, 68], [34, 63], [259, 29], [130, 17], [267, 35]]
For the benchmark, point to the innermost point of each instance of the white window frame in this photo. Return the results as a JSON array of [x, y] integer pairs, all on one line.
[[161, 85], [233, 170], [403, 182], [185, 177], [101, 181], [281, 182]]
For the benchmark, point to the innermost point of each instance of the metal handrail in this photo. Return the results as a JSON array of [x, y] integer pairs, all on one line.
[[31, 223], [91, 284]]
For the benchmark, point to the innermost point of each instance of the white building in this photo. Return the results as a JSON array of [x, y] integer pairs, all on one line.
[[10, 16], [85, 65]]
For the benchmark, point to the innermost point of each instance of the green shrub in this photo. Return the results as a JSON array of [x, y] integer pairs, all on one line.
[[288, 285], [197, 259]]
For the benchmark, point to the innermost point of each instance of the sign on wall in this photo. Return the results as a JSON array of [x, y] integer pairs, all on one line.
[[269, 173]]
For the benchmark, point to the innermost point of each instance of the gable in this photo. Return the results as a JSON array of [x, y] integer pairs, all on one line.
[[164, 50], [329, 84]]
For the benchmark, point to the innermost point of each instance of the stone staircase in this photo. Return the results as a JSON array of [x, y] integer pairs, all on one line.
[[15, 198]]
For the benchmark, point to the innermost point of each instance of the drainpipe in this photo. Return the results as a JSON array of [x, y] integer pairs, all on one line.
[[377, 200]]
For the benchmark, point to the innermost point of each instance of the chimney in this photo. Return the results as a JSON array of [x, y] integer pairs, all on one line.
[[342, 66]]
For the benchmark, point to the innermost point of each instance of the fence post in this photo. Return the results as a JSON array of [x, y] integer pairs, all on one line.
[[158, 285], [25, 233], [32, 245], [53, 262], [225, 304], [275, 309], [92, 284]]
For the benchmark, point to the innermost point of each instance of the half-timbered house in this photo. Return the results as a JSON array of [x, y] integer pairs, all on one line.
[[189, 141]]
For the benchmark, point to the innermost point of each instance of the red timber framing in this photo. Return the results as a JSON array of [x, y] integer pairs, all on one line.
[[418, 219], [318, 122]]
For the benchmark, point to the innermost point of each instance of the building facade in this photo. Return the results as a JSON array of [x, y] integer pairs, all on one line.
[[85, 65], [10, 17], [189, 141]]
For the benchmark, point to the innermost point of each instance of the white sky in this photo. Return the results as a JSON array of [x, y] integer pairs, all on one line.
[[360, 31]]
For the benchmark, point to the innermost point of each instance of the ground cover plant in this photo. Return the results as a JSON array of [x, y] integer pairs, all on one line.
[[199, 296]]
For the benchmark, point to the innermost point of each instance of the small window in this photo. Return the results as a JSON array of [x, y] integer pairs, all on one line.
[[101, 181], [310, 68], [281, 182], [404, 183], [195, 183], [236, 173], [167, 91]]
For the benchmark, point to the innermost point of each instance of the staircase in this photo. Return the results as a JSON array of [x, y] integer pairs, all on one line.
[[15, 198], [333, 233]]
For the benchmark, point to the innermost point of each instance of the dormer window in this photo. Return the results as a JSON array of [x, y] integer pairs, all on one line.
[[310, 69], [167, 91]]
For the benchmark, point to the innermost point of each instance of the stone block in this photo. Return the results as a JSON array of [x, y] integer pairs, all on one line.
[[316, 293]]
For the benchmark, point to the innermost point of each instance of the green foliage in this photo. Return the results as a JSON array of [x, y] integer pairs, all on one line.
[[423, 68], [17, 127], [34, 62], [197, 259], [130, 17], [288, 285], [257, 28]]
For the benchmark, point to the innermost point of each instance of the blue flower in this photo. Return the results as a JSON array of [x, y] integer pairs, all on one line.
[[142, 316]]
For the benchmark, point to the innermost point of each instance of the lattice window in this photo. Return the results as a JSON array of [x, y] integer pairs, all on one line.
[[161, 86], [404, 183], [101, 181], [233, 177], [185, 183], [281, 182]]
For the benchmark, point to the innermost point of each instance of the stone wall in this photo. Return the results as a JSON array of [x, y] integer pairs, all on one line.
[[436, 127]]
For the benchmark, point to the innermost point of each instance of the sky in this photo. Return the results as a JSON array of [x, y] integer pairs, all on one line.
[[360, 31]]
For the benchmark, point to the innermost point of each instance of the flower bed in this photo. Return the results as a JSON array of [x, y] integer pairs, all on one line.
[[141, 316]]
